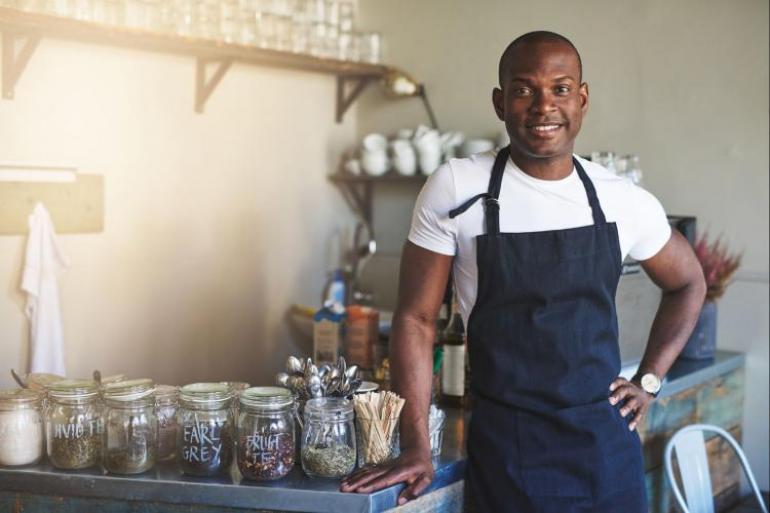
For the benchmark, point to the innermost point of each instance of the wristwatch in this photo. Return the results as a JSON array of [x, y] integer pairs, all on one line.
[[649, 382]]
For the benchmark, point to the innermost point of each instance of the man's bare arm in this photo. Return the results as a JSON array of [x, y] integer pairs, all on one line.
[[676, 270], [422, 283]]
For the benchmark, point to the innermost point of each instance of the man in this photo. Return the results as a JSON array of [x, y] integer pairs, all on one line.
[[537, 237]]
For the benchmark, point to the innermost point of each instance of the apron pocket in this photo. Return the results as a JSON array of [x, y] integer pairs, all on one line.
[[584, 451]]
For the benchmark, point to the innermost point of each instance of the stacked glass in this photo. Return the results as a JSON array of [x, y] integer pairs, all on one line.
[[322, 28]]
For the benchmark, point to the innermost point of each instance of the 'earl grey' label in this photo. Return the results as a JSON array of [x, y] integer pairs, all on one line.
[[201, 442]]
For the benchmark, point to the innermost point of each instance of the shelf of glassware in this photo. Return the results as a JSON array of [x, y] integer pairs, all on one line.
[[28, 28]]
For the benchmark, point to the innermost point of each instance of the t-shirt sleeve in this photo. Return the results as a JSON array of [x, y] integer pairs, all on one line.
[[432, 228], [652, 228]]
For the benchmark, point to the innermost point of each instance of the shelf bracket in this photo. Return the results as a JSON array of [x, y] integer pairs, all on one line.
[[359, 197], [344, 101], [13, 62], [203, 87]]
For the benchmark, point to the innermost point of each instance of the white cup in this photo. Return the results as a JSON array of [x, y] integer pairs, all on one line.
[[353, 166], [375, 143], [404, 157], [405, 133], [429, 159], [473, 146], [374, 163], [450, 142]]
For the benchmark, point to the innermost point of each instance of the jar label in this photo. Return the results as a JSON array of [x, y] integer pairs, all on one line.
[[74, 431], [202, 442]]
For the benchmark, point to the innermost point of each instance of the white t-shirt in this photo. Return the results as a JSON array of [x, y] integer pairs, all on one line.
[[528, 204]]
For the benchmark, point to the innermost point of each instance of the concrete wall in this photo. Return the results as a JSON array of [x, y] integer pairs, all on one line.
[[214, 223], [683, 84]]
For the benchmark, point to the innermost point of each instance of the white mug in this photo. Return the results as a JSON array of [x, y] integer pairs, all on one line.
[[375, 142], [429, 158], [404, 157], [375, 163], [353, 166]]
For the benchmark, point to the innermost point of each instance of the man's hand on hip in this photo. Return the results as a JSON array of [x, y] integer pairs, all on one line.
[[635, 400], [413, 467]]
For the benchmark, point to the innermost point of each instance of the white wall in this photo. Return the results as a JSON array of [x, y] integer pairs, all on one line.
[[683, 84], [214, 223]]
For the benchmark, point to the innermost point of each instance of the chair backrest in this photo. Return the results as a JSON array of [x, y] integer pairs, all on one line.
[[690, 447]]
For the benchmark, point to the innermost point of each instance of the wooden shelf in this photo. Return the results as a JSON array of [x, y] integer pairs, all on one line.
[[389, 177], [358, 190], [17, 25]]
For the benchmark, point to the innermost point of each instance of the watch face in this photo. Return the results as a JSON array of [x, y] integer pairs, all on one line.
[[650, 383]]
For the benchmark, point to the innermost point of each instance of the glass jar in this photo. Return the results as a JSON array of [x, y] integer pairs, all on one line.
[[73, 421], [265, 442], [166, 406], [328, 438], [21, 427], [205, 420], [130, 427]]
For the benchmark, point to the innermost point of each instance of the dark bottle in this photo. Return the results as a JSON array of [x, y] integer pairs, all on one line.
[[453, 367]]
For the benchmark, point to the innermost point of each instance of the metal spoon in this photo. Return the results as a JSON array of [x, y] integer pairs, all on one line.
[[294, 365], [282, 379]]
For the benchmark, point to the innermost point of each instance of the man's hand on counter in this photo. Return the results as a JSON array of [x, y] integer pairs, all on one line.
[[413, 467]]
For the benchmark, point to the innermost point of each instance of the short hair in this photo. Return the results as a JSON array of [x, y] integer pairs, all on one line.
[[537, 36]]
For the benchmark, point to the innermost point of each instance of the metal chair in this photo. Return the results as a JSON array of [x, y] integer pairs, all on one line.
[[690, 447]]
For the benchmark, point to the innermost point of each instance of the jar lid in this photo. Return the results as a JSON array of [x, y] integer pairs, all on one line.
[[72, 388], [166, 392], [334, 406], [205, 392], [20, 397], [267, 397], [130, 390], [236, 386], [367, 386]]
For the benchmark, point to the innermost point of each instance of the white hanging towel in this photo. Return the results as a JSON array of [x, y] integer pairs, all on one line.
[[43, 261]]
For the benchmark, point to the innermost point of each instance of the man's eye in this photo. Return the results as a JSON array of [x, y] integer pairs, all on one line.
[[522, 91], [562, 89]]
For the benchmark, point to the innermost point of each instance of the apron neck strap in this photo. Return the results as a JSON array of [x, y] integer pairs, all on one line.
[[492, 206], [593, 200]]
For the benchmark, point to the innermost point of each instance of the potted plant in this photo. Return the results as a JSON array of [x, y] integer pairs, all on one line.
[[719, 266]]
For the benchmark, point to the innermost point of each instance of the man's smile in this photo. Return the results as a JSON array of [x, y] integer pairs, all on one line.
[[544, 130]]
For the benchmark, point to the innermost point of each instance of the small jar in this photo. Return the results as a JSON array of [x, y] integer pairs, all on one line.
[[328, 438], [166, 405], [21, 427], [130, 427], [265, 442], [205, 420], [73, 420]]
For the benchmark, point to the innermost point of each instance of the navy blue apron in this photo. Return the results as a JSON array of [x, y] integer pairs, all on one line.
[[543, 349]]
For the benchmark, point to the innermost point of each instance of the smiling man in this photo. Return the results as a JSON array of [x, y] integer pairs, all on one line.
[[536, 237]]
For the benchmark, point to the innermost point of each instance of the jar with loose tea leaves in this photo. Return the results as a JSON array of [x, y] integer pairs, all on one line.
[[73, 420], [21, 427], [328, 438], [205, 423], [265, 442], [166, 406], [130, 426]]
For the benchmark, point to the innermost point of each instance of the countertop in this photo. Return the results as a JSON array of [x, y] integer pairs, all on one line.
[[295, 492]]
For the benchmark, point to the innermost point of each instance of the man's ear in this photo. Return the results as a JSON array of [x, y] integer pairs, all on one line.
[[497, 103], [584, 97]]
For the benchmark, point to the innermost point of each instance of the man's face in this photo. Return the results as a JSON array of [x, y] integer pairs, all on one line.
[[542, 101]]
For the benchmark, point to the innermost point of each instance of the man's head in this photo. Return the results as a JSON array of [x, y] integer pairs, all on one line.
[[541, 98]]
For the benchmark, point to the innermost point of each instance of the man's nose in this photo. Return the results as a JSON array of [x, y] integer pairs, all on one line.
[[542, 102]]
